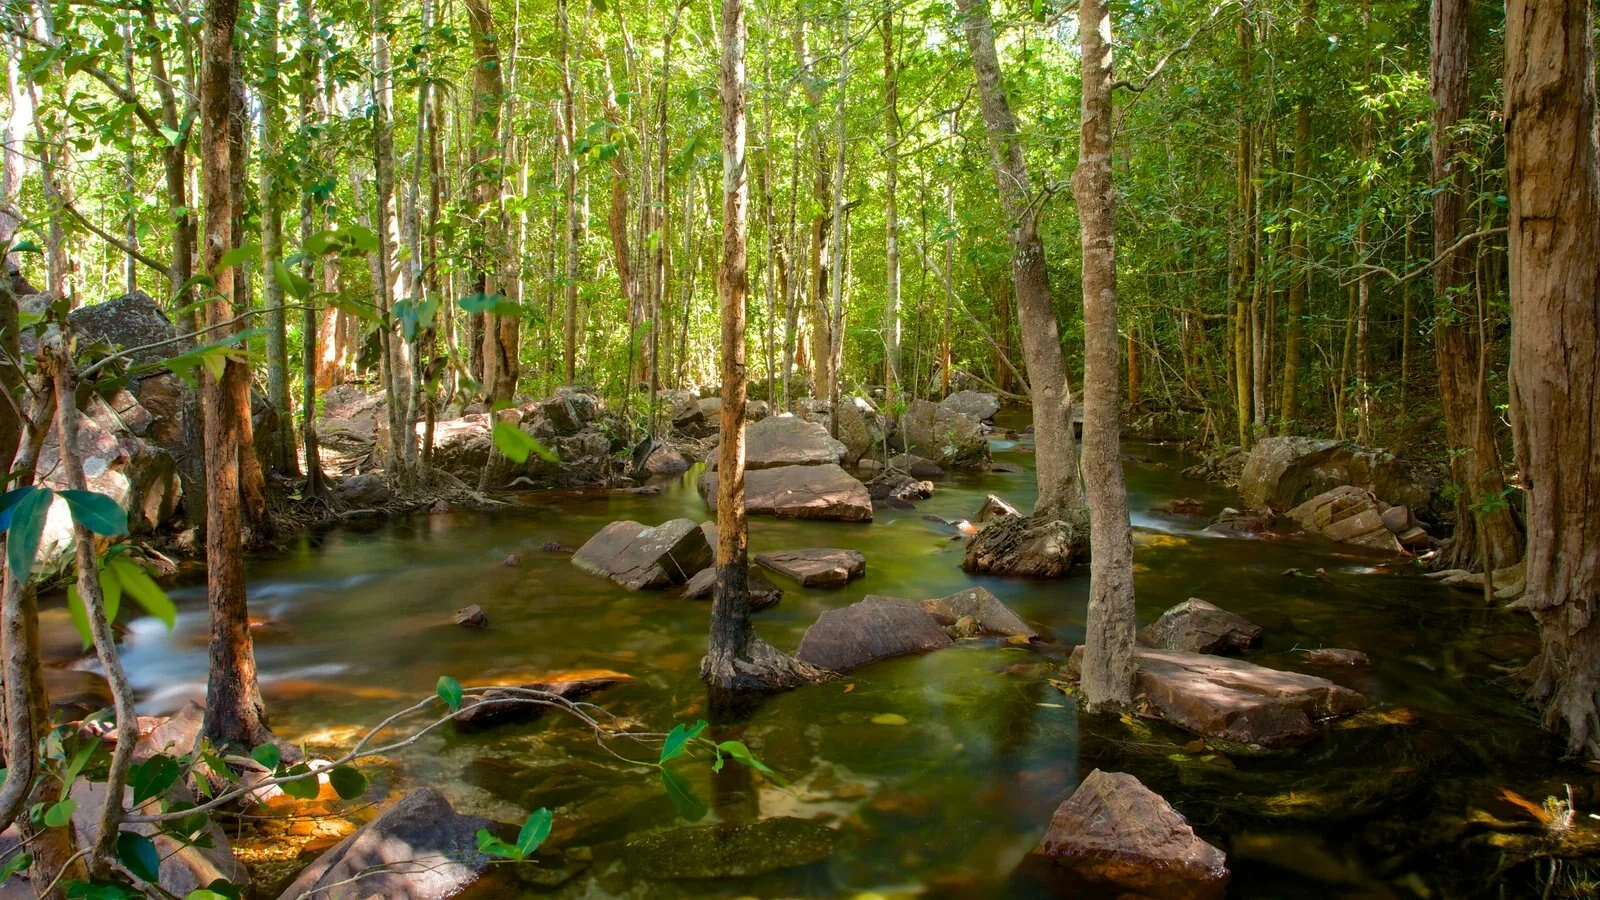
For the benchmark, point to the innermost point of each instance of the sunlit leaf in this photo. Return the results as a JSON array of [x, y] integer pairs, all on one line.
[[534, 831], [60, 813], [449, 690], [518, 445], [137, 584], [348, 782], [96, 512], [678, 739], [304, 788], [268, 755]]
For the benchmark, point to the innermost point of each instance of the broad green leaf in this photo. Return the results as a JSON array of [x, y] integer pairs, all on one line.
[[534, 831], [99, 889], [218, 889], [517, 444], [449, 690], [362, 238], [96, 512], [678, 739], [138, 853], [151, 778], [293, 283], [348, 782], [737, 750], [493, 846], [26, 246], [687, 805], [237, 256], [60, 813], [268, 754], [80, 616], [110, 590], [303, 789], [15, 864], [27, 526], [9, 500], [137, 584]]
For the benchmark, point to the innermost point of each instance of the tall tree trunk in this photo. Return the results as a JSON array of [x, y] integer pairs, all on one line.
[[235, 714], [495, 366], [1553, 169], [1060, 494], [569, 164], [891, 220], [1244, 235], [1475, 460], [284, 460], [739, 663], [316, 481], [822, 192], [1363, 249]]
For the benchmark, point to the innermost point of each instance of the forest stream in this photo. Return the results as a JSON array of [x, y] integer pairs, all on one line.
[[939, 771]]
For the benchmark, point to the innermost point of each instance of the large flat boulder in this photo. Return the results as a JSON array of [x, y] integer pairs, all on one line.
[[816, 567], [972, 404], [799, 492], [418, 849], [1229, 699], [1349, 515], [1200, 627], [789, 441], [949, 438], [983, 608], [872, 629], [1283, 472], [1119, 836], [640, 558]]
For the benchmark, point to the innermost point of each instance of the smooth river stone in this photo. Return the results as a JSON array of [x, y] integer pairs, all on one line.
[[799, 492], [874, 628], [642, 558], [817, 567]]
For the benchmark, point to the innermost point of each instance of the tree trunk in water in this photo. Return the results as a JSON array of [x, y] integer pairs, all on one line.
[[1475, 464], [235, 714], [739, 664], [1108, 639], [1553, 169], [284, 459], [1060, 494]]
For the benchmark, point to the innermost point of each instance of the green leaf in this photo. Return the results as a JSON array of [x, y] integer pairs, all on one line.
[[80, 616], [96, 512], [151, 778], [738, 751], [362, 238], [293, 283], [517, 444], [687, 805], [678, 739], [348, 782], [9, 500], [218, 889], [236, 256], [268, 754], [305, 788], [139, 854], [15, 864], [139, 585], [534, 831], [110, 590], [27, 526], [60, 813], [26, 246], [493, 846], [449, 690], [171, 134]]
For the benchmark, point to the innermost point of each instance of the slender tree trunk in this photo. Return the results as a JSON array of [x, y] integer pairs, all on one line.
[[316, 481], [1060, 494], [891, 181], [1108, 639], [739, 663], [569, 165], [235, 714], [1244, 238], [284, 460], [1553, 169], [1475, 460], [493, 364], [1364, 282]]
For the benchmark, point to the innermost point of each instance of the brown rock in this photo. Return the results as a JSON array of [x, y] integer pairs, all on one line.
[[1285, 471], [983, 607], [816, 567], [1018, 545], [642, 558], [789, 441], [1200, 627], [916, 466], [1113, 832], [898, 486], [799, 492], [759, 591], [1349, 515], [472, 617], [1186, 506], [872, 629], [1336, 657], [497, 707], [994, 508]]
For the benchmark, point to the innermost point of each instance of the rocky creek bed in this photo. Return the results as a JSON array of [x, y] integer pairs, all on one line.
[[931, 772]]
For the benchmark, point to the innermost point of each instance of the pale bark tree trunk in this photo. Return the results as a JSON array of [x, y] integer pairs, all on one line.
[[822, 193], [891, 182], [496, 369], [284, 459], [1060, 493], [1553, 169], [739, 664], [1108, 639], [569, 164], [391, 285], [235, 714], [1475, 464]]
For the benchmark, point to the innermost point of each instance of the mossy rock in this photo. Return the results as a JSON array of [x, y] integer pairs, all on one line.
[[731, 851]]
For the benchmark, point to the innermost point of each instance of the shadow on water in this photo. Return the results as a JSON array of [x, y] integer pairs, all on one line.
[[358, 620]]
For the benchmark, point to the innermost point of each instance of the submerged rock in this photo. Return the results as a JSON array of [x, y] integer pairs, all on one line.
[[985, 610], [1019, 545], [731, 851], [1116, 834], [472, 617], [1200, 627], [799, 492], [759, 591], [1336, 657], [642, 558], [1243, 521], [418, 849], [816, 567], [1229, 699], [496, 707], [1349, 515], [1286, 471], [872, 629]]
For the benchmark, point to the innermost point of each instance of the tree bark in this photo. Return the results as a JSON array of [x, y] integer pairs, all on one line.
[[1553, 170], [284, 459], [1108, 639], [235, 714], [739, 664], [891, 181], [569, 164], [1475, 460], [1060, 494]]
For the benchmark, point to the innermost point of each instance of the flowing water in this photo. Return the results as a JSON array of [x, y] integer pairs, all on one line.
[[358, 623]]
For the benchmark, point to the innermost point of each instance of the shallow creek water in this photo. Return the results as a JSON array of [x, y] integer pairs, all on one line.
[[359, 623]]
